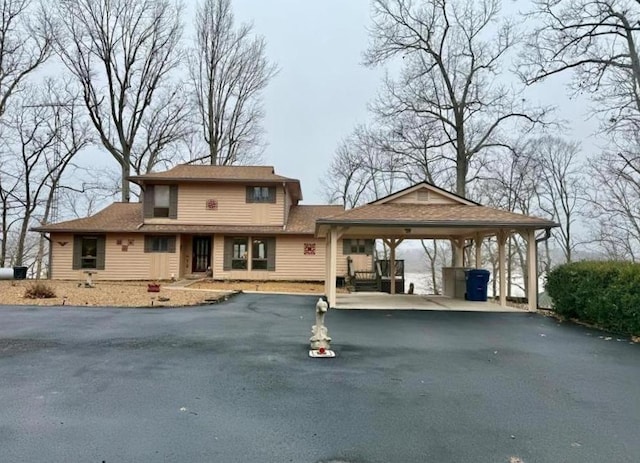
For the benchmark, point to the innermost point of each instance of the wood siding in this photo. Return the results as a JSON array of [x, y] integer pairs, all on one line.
[[423, 196], [132, 264], [232, 207], [291, 262]]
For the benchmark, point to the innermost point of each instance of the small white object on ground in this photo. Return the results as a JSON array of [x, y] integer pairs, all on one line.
[[317, 354]]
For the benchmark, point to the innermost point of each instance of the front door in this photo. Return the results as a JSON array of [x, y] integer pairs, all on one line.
[[201, 254]]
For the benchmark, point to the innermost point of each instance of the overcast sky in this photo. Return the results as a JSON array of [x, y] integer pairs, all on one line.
[[322, 90]]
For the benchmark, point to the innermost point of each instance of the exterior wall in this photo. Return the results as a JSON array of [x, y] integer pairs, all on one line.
[[132, 264], [291, 262], [232, 206], [362, 262], [415, 197]]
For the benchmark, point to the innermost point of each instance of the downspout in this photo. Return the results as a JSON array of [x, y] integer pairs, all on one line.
[[547, 235]]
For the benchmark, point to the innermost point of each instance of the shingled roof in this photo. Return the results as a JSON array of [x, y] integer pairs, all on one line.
[[127, 217], [302, 219], [118, 217], [220, 174], [451, 215], [207, 173]]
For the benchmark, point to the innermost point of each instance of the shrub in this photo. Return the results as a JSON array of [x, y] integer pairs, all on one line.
[[606, 294], [39, 291]]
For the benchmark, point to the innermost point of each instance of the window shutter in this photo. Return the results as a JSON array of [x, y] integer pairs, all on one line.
[[271, 254], [272, 194], [147, 244], [346, 246], [77, 252], [147, 201], [173, 202], [368, 247], [171, 244], [101, 252], [228, 253], [249, 194]]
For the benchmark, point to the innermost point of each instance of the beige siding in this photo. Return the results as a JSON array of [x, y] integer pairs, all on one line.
[[423, 196], [232, 206], [362, 262], [291, 262], [132, 264]]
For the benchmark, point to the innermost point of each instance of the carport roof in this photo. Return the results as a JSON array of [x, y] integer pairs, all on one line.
[[457, 215]]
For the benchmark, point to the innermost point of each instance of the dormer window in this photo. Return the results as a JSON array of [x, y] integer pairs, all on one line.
[[261, 194], [161, 201]]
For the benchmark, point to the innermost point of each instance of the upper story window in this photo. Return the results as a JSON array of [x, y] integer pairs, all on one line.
[[261, 194], [161, 201]]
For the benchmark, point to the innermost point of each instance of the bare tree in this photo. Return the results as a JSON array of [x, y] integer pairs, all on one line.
[[26, 42], [42, 137], [229, 70], [614, 198], [123, 54], [452, 54], [561, 188], [362, 170], [597, 41]]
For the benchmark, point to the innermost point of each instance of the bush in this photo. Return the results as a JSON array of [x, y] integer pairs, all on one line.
[[39, 291], [606, 294]]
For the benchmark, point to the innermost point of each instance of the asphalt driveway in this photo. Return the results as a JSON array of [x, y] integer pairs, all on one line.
[[233, 383]]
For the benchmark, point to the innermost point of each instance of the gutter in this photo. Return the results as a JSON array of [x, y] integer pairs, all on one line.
[[439, 223]]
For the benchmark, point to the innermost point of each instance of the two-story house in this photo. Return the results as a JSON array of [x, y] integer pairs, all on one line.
[[229, 222]]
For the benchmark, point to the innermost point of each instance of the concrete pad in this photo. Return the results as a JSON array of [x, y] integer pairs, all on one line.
[[384, 301]]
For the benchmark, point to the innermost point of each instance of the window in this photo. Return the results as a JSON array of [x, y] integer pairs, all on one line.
[[358, 246], [159, 243], [259, 255], [89, 253], [238, 251], [161, 200], [239, 255], [261, 194]]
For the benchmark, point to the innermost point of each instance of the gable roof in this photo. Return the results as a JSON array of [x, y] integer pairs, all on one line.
[[425, 185], [184, 173]]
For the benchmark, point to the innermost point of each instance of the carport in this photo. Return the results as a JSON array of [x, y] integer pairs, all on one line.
[[424, 211]]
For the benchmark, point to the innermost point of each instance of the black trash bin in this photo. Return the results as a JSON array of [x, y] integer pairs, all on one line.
[[20, 273], [477, 282]]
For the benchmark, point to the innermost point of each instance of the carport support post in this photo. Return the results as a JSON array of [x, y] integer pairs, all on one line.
[[458, 252], [478, 243], [393, 244], [532, 274], [327, 263], [333, 258], [502, 241]]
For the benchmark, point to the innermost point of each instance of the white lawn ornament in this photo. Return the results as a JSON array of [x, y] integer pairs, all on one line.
[[320, 340]]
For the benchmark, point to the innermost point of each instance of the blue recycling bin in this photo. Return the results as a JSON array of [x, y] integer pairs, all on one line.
[[477, 280]]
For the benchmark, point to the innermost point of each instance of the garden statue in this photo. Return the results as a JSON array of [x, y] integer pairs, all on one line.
[[320, 340]]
